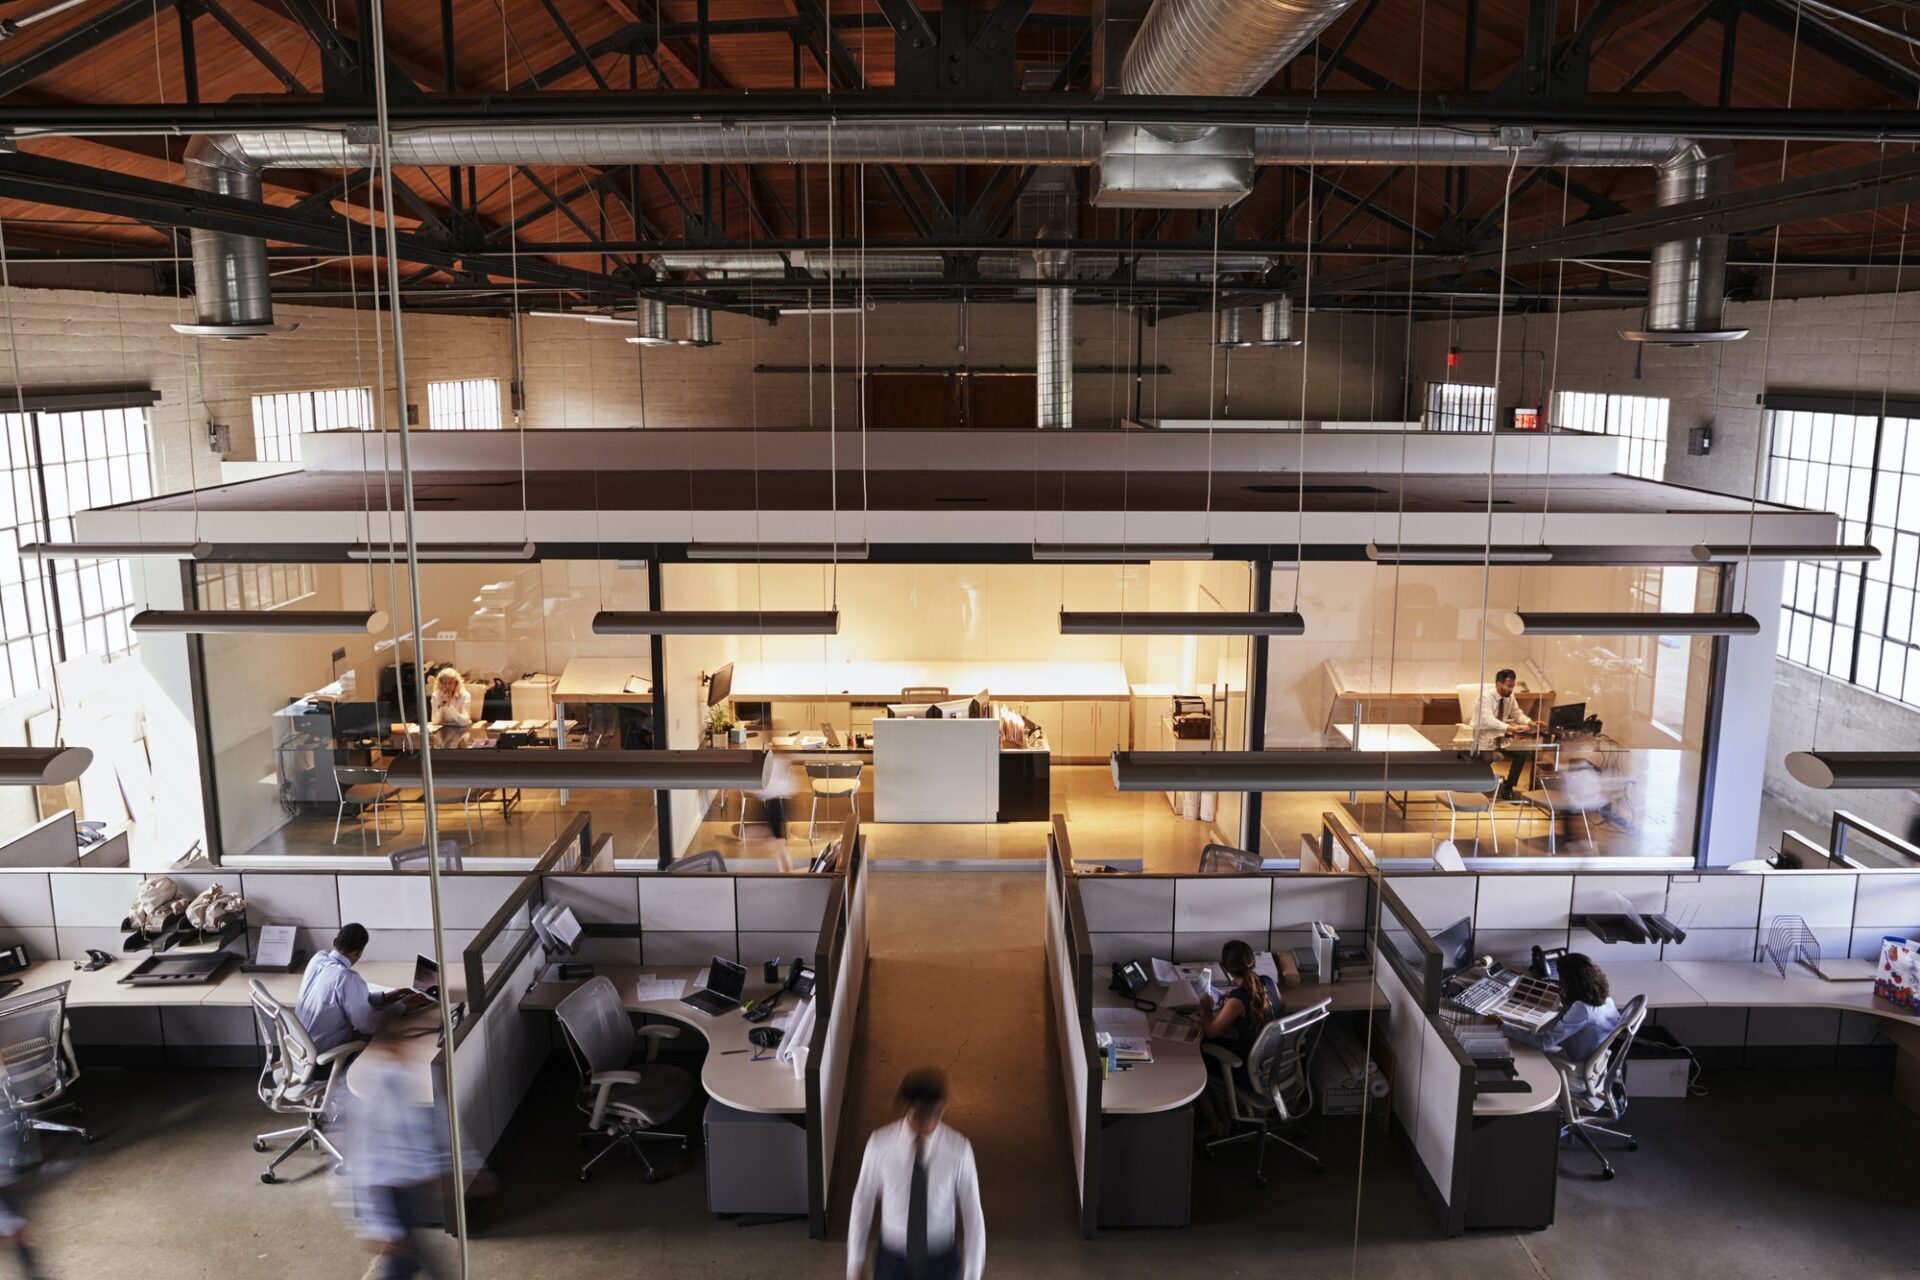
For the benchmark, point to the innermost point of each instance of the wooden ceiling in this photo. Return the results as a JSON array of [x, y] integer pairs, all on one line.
[[1398, 46]]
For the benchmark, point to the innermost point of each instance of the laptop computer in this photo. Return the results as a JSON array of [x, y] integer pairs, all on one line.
[[426, 982], [725, 981]]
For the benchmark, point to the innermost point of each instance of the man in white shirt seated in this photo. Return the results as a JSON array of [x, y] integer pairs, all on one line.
[[335, 1004], [1497, 718], [928, 1188]]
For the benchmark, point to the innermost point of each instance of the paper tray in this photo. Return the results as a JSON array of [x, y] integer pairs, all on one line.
[[173, 969]]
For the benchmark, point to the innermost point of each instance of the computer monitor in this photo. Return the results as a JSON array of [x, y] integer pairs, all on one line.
[[1568, 716], [1456, 945], [357, 720], [720, 686]]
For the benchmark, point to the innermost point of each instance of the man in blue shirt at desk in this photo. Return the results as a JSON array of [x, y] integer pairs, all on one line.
[[1586, 1016], [334, 1004]]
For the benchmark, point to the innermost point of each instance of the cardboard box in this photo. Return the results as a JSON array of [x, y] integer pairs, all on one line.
[[1658, 1077]]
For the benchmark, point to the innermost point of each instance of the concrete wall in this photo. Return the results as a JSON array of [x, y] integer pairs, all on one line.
[[1833, 345]]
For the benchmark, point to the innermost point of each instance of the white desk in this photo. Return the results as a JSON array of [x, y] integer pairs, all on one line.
[[1542, 1081], [602, 680], [883, 681], [102, 989], [1386, 737], [730, 1077]]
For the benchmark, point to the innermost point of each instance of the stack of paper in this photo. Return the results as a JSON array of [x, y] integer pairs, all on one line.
[[1132, 1040], [651, 986], [1180, 1028]]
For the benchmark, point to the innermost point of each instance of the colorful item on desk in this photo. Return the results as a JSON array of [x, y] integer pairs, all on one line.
[[1898, 981]]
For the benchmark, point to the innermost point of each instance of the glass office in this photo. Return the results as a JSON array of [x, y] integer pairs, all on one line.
[[300, 727], [1393, 657]]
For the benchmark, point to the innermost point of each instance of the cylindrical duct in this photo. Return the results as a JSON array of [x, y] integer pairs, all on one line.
[[1218, 48], [232, 292], [1276, 322], [1230, 329], [1053, 341], [699, 328], [1686, 280], [652, 320]]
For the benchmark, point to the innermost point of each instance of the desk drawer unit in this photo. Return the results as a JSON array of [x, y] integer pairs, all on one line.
[[755, 1163], [1146, 1169]]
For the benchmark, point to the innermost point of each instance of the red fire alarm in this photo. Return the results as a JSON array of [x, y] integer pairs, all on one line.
[[1453, 357]]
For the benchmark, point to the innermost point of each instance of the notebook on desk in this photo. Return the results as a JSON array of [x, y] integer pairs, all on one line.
[[1838, 970]]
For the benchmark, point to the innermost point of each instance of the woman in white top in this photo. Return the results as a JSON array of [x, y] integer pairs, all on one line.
[[452, 702]]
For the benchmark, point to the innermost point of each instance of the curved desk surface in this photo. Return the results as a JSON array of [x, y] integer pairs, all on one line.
[[731, 1076], [1542, 1081], [1178, 1073]]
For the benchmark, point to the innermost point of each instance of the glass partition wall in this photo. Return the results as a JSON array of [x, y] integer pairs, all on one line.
[[301, 728], [1394, 659]]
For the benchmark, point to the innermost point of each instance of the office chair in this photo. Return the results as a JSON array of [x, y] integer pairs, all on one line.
[[414, 857], [622, 1100], [364, 788], [1280, 1068], [705, 860], [296, 1079], [1593, 1093], [1224, 859], [37, 1063], [1459, 802], [832, 779], [1563, 795]]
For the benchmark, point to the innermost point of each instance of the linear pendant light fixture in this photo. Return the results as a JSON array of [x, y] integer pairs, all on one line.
[[1532, 623], [717, 622], [1075, 623], [485, 551], [539, 768], [1855, 770], [1299, 771], [1454, 553], [115, 550], [1707, 552], [1098, 551], [801, 551], [42, 766], [262, 621]]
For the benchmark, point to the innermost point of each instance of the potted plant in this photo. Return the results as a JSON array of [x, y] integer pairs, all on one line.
[[719, 721]]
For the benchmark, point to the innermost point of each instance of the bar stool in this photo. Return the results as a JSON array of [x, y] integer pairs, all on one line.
[[832, 778]]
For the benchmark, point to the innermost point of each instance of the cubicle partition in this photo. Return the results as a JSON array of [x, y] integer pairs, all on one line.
[[53, 842], [1069, 979], [840, 978]]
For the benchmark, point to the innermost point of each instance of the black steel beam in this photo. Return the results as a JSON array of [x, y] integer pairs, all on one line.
[[908, 23], [1002, 25], [189, 54], [1339, 55], [1729, 45], [1673, 42], [1839, 47], [628, 39], [82, 39], [573, 42]]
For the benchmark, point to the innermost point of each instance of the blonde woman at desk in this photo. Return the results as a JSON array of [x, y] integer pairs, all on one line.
[[452, 701], [1586, 1016], [1251, 1003]]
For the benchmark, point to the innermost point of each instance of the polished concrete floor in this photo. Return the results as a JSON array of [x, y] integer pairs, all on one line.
[[1778, 1174]]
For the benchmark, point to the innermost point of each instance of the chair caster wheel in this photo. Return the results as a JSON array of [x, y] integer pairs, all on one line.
[[1633, 1144], [86, 1139], [1260, 1181], [649, 1178], [1606, 1175], [583, 1177], [1206, 1152], [267, 1178], [259, 1145], [1319, 1168]]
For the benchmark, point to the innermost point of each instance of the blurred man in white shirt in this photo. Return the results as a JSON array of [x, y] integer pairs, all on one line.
[[1499, 717], [928, 1188]]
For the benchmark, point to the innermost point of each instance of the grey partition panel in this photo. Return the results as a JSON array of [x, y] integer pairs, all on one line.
[[1238, 905], [596, 899], [49, 843], [1299, 900], [781, 903], [310, 900], [26, 901], [681, 904], [1436, 901], [390, 900], [1127, 904]]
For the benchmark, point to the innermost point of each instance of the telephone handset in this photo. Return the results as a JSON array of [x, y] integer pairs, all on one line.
[[13, 959], [1130, 978], [1546, 963], [799, 980]]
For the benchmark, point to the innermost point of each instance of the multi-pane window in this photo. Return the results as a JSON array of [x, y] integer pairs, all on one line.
[[1459, 406], [1639, 421], [280, 420], [1854, 622], [59, 463], [254, 586], [471, 404]]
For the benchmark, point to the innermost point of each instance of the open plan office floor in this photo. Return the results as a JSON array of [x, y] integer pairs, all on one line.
[[1771, 1175]]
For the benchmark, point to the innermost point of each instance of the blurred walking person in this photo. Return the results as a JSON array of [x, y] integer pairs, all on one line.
[[397, 1156], [923, 1176], [15, 1155]]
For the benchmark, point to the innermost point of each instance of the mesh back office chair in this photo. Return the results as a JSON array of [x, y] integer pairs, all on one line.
[[831, 779], [707, 860], [1224, 859], [1593, 1093], [297, 1079], [1563, 794], [364, 788], [1280, 1069], [414, 857], [620, 1102], [37, 1064]]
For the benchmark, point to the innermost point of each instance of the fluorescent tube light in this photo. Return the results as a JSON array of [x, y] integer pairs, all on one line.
[[807, 551], [1098, 551], [42, 766], [717, 622], [543, 768], [1528, 623], [261, 621], [1707, 552], [588, 316], [1299, 771], [443, 551], [115, 550], [1455, 553], [1180, 624], [1855, 770]]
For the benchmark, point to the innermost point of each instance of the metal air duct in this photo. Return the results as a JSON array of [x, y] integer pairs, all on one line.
[[653, 324], [1276, 322], [699, 328], [1218, 48], [1053, 341], [1230, 330], [232, 292]]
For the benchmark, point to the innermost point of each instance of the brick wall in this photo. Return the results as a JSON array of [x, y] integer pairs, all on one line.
[[1832, 345]]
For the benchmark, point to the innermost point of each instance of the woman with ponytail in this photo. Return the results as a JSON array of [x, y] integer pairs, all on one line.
[[1251, 1003]]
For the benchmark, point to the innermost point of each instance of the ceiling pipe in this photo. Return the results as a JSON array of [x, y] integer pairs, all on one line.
[[231, 282], [1053, 340]]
